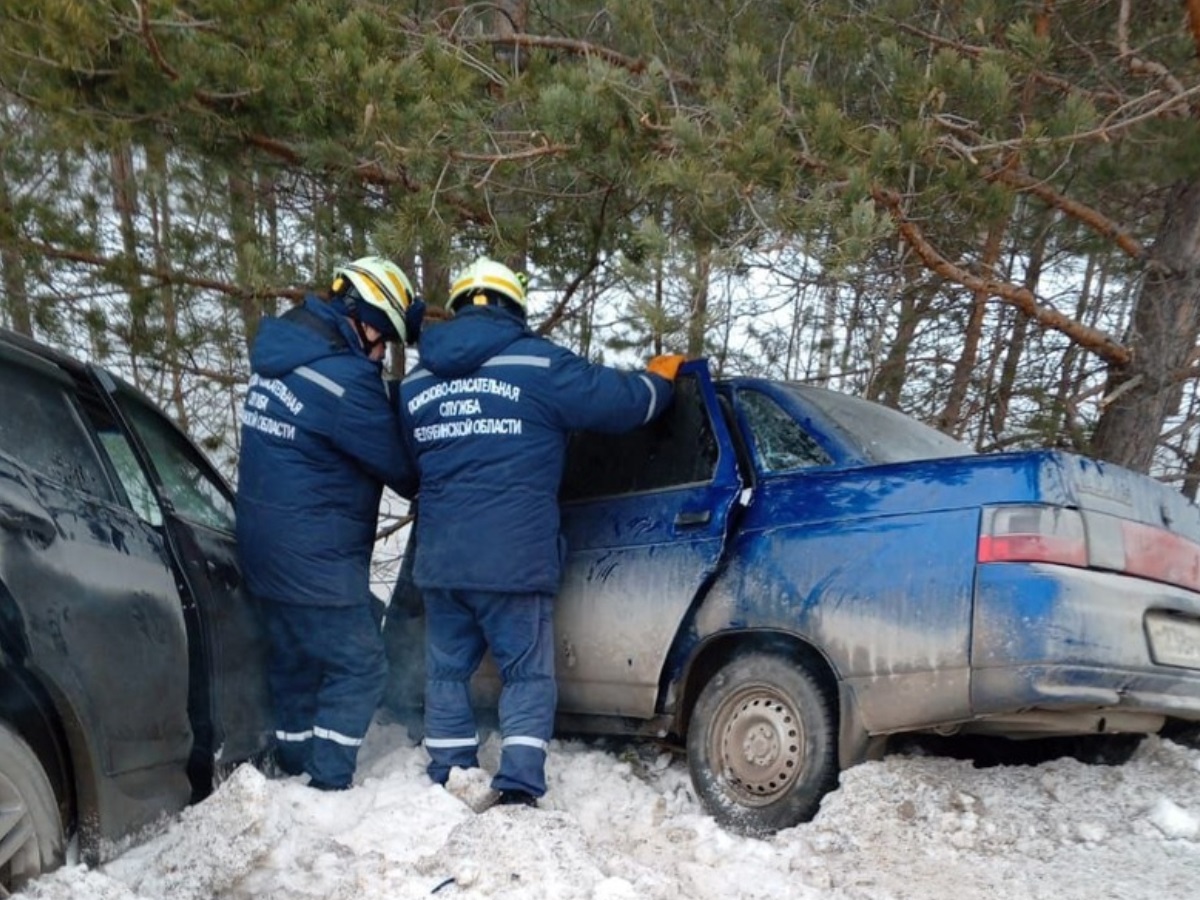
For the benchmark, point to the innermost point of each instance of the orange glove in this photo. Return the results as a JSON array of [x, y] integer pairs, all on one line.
[[666, 366]]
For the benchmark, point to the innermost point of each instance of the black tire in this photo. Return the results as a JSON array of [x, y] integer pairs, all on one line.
[[31, 831], [762, 745]]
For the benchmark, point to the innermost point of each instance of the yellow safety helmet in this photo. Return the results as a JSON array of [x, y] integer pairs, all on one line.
[[486, 280], [380, 284]]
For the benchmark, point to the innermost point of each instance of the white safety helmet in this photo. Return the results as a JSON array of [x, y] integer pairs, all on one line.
[[484, 281], [381, 284]]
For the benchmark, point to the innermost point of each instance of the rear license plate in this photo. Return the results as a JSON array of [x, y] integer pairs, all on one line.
[[1174, 640]]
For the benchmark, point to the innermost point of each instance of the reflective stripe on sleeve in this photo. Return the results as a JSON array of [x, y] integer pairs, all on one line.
[[653, 398], [537, 362], [320, 380], [337, 737]]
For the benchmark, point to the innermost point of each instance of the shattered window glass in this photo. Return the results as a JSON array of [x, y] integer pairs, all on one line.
[[40, 427], [779, 441], [675, 449]]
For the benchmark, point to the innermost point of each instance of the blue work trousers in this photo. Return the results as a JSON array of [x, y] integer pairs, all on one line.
[[327, 673], [460, 626]]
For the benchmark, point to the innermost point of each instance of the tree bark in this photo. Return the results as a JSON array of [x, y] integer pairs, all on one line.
[[12, 267], [1001, 399], [243, 234], [697, 327], [912, 307], [1141, 395], [139, 338], [158, 198], [951, 419]]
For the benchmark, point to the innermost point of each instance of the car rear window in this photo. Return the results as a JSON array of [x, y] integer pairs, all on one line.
[[883, 434]]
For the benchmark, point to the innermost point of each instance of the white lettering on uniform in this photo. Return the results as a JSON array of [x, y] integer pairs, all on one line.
[[267, 425], [279, 389], [468, 407], [477, 385], [496, 426], [464, 427]]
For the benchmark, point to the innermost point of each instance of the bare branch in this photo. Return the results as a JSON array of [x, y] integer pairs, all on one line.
[[584, 49], [1138, 65], [1081, 212], [204, 97], [164, 276], [1015, 295]]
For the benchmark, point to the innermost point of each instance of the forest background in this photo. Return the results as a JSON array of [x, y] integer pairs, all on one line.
[[985, 213]]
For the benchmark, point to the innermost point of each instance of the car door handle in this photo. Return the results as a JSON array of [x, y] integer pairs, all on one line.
[[28, 521], [691, 518]]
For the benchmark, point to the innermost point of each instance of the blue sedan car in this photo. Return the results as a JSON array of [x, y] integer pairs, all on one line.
[[781, 577]]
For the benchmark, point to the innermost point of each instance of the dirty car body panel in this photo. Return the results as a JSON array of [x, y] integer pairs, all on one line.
[[914, 585], [132, 663]]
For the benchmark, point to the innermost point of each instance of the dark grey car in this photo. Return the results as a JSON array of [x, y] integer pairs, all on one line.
[[132, 663]]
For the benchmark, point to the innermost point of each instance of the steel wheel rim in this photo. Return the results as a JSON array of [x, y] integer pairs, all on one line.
[[758, 739], [20, 856]]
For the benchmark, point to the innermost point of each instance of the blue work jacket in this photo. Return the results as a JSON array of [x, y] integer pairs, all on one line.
[[487, 414], [320, 439]]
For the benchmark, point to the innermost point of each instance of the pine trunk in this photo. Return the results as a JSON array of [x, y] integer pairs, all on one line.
[[951, 419], [15, 301], [698, 323], [1143, 394]]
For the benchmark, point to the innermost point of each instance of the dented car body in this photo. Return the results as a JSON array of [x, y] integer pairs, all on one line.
[[132, 662], [782, 576]]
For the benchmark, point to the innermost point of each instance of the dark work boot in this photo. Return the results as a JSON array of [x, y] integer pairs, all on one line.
[[326, 786], [288, 763], [517, 798]]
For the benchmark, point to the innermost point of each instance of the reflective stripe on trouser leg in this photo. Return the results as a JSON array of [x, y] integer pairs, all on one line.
[[520, 633], [292, 749], [293, 677], [354, 672], [454, 646]]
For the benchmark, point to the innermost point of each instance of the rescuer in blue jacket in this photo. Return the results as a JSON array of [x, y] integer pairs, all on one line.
[[320, 439], [487, 414]]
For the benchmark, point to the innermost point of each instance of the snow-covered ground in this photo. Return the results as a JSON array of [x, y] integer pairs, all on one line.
[[625, 824]]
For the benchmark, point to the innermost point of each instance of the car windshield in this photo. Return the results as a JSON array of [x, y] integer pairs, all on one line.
[[883, 434]]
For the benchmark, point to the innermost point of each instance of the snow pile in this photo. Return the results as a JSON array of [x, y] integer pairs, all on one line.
[[625, 825]]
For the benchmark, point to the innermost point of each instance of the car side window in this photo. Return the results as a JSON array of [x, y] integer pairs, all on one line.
[[780, 442], [133, 479], [41, 427], [675, 449], [194, 490]]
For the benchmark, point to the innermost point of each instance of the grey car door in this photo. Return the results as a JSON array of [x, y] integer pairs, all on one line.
[[645, 517]]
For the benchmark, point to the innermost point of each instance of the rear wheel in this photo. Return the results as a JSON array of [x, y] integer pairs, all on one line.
[[31, 832], [762, 747]]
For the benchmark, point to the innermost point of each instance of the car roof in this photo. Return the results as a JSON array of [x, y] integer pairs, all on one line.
[[40, 350]]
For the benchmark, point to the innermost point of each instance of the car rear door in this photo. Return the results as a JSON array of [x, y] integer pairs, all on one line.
[[88, 599], [645, 517], [229, 686]]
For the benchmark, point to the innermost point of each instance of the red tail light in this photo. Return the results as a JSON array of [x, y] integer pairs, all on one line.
[[1161, 555], [1048, 534], [1065, 536]]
